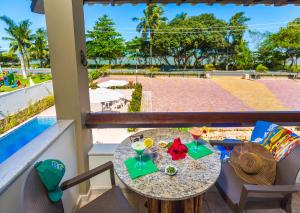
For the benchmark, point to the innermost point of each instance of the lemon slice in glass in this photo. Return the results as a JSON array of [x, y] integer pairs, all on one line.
[[148, 142]]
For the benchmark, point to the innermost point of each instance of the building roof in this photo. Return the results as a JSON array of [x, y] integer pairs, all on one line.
[[37, 6]]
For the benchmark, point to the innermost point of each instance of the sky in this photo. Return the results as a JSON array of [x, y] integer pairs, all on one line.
[[263, 18]]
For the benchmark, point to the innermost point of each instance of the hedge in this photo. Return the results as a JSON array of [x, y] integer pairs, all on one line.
[[136, 101], [13, 120], [95, 74], [209, 67], [130, 85]]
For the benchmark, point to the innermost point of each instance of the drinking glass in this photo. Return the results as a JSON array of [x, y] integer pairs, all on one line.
[[196, 141], [139, 148]]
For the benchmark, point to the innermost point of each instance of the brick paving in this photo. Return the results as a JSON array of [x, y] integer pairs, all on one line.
[[186, 94], [218, 94], [286, 90], [254, 94]]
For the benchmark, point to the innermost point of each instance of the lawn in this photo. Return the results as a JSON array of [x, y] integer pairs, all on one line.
[[36, 78]]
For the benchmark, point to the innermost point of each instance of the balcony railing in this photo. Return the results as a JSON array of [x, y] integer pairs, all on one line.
[[189, 119]]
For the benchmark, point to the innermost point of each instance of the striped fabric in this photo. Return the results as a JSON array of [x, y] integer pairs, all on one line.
[[278, 140]]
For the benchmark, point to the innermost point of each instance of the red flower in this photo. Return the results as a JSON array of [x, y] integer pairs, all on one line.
[[177, 150]]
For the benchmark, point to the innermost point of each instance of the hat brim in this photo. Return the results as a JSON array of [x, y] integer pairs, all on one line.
[[267, 173], [56, 195], [265, 176]]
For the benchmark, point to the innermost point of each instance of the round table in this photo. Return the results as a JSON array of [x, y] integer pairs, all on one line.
[[194, 177]]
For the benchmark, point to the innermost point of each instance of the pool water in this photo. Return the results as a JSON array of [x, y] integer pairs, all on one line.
[[16, 139]]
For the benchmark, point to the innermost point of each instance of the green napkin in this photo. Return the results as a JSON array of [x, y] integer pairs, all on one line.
[[134, 173], [201, 152]]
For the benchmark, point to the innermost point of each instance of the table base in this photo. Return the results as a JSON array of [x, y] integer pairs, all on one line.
[[192, 205]]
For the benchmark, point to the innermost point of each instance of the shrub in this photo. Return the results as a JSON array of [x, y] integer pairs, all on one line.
[[261, 68], [105, 68], [95, 74], [153, 71], [93, 85], [209, 67], [33, 109], [295, 69], [130, 85], [136, 101]]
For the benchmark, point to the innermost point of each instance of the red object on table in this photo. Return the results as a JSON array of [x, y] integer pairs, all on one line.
[[177, 150]]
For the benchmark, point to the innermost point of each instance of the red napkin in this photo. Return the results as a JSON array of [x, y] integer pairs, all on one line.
[[177, 150]]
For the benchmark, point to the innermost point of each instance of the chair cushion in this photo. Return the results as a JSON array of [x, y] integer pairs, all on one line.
[[112, 201], [278, 140], [231, 186], [261, 131]]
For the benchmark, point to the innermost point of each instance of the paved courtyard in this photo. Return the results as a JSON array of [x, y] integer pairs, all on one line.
[[194, 94], [217, 94]]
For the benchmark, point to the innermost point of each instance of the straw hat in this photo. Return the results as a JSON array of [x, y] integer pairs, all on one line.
[[253, 163]]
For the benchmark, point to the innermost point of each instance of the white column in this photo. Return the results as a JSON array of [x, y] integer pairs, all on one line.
[[65, 26]]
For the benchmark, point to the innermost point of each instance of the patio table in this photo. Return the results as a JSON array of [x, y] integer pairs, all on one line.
[[164, 193]]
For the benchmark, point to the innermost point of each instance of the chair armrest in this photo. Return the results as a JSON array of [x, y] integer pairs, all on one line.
[[224, 143], [89, 174], [286, 189], [281, 189]]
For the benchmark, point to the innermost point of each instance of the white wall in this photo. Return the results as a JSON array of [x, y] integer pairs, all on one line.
[[14, 101], [98, 155], [62, 148]]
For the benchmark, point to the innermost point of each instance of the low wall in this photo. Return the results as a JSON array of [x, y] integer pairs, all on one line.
[[98, 155], [57, 142], [17, 100]]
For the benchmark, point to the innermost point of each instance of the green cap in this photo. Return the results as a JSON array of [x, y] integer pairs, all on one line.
[[51, 172]]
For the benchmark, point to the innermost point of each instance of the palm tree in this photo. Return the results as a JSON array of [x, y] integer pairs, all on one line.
[[39, 48], [150, 22], [19, 36]]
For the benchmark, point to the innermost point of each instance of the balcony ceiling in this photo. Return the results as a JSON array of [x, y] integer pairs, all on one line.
[[37, 6]]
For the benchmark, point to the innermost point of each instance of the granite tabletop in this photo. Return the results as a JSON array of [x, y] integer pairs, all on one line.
[[193, 178]]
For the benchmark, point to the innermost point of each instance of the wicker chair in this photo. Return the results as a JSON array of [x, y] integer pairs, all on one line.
[[35, 199], [240, 196]]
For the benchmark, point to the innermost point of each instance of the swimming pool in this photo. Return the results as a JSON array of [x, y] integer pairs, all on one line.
[[16, 139]]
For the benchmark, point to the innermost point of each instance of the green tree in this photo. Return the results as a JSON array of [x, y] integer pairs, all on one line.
[[20, 38], [8, 57], [137, 49], [269, 55], [150, 23], [243, 56], [288, 40], [39, 48], [189, 41], [281, 49], [104, 42], [236, 29]]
